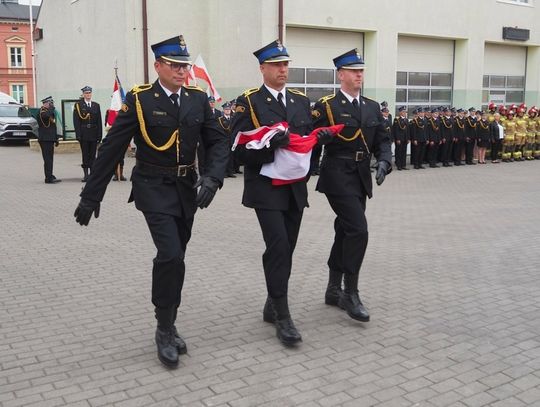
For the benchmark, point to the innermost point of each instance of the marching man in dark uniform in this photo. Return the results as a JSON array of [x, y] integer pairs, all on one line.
[[167, 120], [459, 136], [225, 123], [47, 138], [88, 128], [345, 177], [447, 137], [419, 138], [400, 135], [279, 209]]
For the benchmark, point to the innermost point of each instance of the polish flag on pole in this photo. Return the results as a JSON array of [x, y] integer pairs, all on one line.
[[117, 99], [291, 163], [199, 71]]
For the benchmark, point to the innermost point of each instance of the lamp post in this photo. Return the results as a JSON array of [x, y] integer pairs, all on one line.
[[33, 53]]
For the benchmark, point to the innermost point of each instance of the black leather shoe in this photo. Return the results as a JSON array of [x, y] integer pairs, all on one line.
[[166, 347], [115, 178], [351, 303], [333, 290], [52, 181], [180, 343], [231, 175], [405, 169], [434, 166], [287, 332], [268, 311]]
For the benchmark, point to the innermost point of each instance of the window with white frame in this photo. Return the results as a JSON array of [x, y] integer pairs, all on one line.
[[423, 89], [314, 82], [17, 92], [16, 59], [503, 89]]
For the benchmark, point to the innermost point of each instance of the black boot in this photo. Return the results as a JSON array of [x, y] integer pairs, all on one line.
[[85, 178], [180, 343], [268, 311], [350, 301], [333, 291], [285, 329], [122, 178], [165, 340]]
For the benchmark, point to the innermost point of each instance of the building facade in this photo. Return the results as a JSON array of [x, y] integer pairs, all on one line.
[[417, 53], [16, 53]]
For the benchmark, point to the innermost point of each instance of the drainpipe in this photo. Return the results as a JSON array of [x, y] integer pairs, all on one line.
[[281, 28], [145, 40]]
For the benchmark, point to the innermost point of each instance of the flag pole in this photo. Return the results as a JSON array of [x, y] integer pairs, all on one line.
[[33, 53]]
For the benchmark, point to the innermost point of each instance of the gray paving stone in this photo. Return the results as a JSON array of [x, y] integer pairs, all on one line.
[[444, 262]]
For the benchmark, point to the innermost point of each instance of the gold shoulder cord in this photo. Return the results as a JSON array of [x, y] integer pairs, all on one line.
[[482, 125], [459, 124], [445, 125], [399, 124], [49, 121], [358, 132], [85, 117], [254, 119], [140, 116]]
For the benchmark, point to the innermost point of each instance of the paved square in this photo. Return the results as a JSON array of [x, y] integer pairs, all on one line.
[[451, 278]]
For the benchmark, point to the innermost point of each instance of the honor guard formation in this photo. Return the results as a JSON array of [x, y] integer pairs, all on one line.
[[450, 136], [185, 147]]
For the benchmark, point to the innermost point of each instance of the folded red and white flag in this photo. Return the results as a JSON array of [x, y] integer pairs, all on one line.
[[291, 164]]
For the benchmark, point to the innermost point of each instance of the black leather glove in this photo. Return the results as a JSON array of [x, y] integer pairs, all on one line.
[[280, 139], [208, 189], [325, 137], [382, 170], [84, 211]]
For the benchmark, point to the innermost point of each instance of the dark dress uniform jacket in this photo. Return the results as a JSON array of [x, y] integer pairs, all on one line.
[[419, 130], [434, 130], [400, 130], [259, 104], [470, 128], [161, 193], [47, 125], [87, 121], [346, 176], [447, 129], [459, 129]]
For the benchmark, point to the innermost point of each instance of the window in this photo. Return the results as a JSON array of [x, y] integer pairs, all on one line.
[[17, 93], [501, 89], [15, 54], [314, 82], [423, 89]]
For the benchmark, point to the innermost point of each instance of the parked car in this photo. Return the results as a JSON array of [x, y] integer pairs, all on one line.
[[16, 122]]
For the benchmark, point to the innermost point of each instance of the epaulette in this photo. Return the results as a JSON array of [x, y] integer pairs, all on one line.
[[297, 92], [250, 91], [365, 97], [193, 87], [141, 88], [325, 99]]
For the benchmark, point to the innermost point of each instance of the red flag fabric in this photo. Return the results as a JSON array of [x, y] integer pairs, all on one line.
[[291, 164]]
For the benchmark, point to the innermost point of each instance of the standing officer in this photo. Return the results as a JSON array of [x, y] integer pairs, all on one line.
[[47, 138], [419, 138], [400, 135], [225, 123], [88, 128], [434, 137], [470, 136], [166, 120], [459, 136], [447, 136], [279, 209], [345, 177]]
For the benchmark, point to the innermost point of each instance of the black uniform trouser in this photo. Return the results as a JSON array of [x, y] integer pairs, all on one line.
[[458, 149], [469, 151], [419, 152], [445, 148], [413, 154], [47, 152], [88, 150], [432, 153], [401, 154], [280, 232], [495, 149], [315, 163], [351, 233], [171, 235]]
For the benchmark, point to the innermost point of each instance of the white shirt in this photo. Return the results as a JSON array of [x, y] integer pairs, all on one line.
[[275, 94], [169, 93], [501, 131], [350, 98]]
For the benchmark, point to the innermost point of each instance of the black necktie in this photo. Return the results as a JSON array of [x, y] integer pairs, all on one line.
[[355, 103], [280, 101], [174, 98]]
